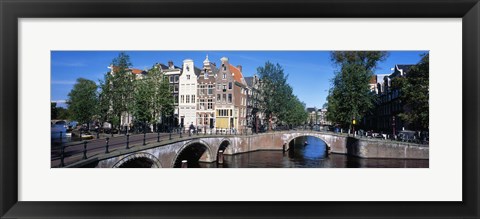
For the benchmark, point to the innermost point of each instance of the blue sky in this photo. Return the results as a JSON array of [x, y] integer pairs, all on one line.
[[309, 72]]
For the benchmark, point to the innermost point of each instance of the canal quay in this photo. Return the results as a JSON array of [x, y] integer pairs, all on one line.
[[279, 149]]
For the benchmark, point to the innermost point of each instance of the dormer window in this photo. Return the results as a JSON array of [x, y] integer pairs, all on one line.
[[188, 68]]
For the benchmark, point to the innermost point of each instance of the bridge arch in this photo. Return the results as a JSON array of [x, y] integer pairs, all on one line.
[[321, 137], [224, 143], [290, 139], [193, 151], [139, 160]]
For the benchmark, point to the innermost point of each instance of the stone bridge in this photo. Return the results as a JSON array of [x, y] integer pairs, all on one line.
[[205, 148]]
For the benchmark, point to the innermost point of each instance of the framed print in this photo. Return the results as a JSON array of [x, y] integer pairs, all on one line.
[[408, 140]]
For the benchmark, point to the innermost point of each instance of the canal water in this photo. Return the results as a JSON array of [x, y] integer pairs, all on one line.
[[310, 155]]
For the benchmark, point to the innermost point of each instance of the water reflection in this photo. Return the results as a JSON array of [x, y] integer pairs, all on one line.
[[311, 155]]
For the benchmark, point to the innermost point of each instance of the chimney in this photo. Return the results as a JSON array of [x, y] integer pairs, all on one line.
[[170, 64], [239, 67]]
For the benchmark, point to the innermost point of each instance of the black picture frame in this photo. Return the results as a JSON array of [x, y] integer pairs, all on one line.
[[12, 10]]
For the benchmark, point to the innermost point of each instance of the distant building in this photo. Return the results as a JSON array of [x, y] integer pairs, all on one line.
[[312, 115], [322, 117], [317, 116]]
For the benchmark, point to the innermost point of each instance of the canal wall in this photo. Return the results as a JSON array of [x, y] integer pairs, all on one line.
[[372, 148]]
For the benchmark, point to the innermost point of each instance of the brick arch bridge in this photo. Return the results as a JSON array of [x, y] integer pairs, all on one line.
[[165, 153]]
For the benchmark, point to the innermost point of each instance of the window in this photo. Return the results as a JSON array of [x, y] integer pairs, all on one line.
[[202, 104], [175, 98], [219, 86], [229, 98], [224, 98], [171, 79], [210, 104], [210, 89], [176, 78], [182, 99], [188, 77], [229, 85], [224, 87], [193, 98], [219, 98], [187, 100], [224, 76], [175, 88]]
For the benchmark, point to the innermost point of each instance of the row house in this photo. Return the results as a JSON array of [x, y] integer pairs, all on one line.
[[388, 104], [187, 107], [206, 95], [231, 98], [317, 116], [254, 116]]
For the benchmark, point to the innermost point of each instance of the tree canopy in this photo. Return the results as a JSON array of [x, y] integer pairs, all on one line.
[[414, 94], [117, 89], [278, 99], [350, 96], [83, 99]]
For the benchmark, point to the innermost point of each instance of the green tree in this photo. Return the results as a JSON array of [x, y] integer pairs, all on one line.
[[414, 94], [162, 98], [63, 113], [276, 92], [53, 110], [296, 113], [83, 100], [350, 96], [143, 105], [117, 90]]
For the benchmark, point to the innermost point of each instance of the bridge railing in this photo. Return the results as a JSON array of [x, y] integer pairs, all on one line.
[[65, 153]]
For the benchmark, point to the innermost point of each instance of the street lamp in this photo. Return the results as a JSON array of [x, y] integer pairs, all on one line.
[[393, 126], [353, 125]]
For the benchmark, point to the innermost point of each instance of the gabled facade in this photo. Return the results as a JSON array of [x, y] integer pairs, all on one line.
[[206, 95], [187, 94], [226, 113], [239, 98]]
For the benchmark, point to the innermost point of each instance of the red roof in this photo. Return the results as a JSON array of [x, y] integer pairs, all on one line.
[[136, 71], [133, 70], [237, 74]]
